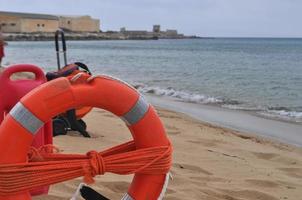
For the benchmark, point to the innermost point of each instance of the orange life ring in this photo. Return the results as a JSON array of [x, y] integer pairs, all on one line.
[[50, 99], [80, 111]]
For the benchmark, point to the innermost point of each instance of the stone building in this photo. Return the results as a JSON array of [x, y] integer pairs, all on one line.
[[156, 33], [79, 23], [171, 32], [123, 29], [13, 22], [156, 28]]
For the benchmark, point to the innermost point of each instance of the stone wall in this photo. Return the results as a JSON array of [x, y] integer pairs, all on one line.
[[10, 24], [30, 23], [79, 24], [39, 25]]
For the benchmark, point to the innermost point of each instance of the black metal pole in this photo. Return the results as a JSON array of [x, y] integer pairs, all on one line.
[[57, 45]]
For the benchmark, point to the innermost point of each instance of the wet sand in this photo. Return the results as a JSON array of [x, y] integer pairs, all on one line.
[[246, 122]]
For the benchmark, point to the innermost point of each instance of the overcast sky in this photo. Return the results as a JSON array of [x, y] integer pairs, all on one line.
[[229, 18]]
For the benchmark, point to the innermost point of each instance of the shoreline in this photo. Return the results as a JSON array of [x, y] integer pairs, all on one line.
[[237, 120], [245, 122], [279, 113]]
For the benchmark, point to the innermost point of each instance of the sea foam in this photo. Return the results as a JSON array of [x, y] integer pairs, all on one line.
[[280, 113], [179, 95]]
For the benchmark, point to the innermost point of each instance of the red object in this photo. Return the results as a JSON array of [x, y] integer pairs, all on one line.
[[11, 91]]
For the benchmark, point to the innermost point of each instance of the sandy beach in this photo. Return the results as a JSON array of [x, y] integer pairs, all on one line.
[[209, 162], [224, 77]]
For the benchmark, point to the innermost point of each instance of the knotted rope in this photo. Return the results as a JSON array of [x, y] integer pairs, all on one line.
[[46, 167]]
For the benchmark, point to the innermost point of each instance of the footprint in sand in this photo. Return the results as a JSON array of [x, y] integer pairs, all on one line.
[[292, 172], [262, 183], [276, 158], [265, 156], [172, 130], [286, 160], [204, 142], [191, 168], [289, 185], [247, 137]]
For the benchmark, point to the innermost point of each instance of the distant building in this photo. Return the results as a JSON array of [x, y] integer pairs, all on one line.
[[156, 28], [79, 23], [14, 22], [155, 33], [170, 32], [123, 29]]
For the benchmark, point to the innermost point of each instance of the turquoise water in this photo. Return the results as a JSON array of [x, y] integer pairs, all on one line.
[[259, 75]]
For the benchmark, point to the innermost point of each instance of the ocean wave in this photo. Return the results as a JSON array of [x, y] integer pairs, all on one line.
[[291, 113], [272, 112], [241, 107], [180, 95], [284, 114]]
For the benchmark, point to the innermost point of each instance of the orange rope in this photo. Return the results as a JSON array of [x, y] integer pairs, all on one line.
[[46, 167]]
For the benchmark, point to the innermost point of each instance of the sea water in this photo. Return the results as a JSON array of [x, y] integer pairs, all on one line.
[[263, 76]]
